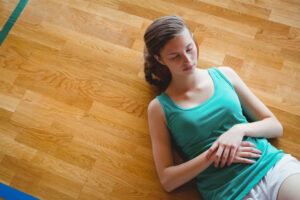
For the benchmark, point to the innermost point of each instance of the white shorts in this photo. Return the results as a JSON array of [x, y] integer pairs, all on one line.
[[267, 188]]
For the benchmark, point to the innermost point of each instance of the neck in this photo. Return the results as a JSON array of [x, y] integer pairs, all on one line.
[[184, 83]]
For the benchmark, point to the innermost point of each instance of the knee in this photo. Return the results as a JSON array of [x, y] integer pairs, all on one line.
[[290, 188]]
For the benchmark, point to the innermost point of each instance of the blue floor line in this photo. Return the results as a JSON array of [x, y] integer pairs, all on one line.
[[9, 193], [12, 19]]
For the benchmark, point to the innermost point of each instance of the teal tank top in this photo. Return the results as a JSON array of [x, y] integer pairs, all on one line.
[[195, 129]]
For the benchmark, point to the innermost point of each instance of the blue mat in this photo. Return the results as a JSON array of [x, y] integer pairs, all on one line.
[[9, 193], [12, 19]]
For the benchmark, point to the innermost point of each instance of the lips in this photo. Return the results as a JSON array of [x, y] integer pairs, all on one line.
[[188, 68]]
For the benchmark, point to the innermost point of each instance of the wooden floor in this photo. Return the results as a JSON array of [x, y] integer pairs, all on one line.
[[73, 100]]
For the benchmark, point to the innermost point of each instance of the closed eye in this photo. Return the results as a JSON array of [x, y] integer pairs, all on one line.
[[173, 58], [190, 48]]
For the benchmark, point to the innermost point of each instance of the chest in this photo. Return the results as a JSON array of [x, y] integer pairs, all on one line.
[[197, 96]]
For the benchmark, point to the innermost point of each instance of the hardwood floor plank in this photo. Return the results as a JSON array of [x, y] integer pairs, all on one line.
[[60, 167]]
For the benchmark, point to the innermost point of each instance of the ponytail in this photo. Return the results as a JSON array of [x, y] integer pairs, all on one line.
[[156, 73]]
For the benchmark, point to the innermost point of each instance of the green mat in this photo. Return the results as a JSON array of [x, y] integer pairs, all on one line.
[[12, 19]]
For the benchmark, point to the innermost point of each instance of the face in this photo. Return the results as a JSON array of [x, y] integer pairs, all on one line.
[[179, 54]]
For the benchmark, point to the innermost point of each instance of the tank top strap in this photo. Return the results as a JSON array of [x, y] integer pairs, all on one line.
[[220, 78], [166, 103]]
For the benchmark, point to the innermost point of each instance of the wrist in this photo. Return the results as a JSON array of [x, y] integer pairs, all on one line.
[[211, 157], [241, 129]]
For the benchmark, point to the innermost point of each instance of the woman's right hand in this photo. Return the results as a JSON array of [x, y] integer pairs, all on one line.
[[246, 150]]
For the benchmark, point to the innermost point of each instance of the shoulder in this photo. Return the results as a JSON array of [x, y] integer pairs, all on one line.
[[228, 71], [156, 117], [155, 108], [153, 105], [230, 74]]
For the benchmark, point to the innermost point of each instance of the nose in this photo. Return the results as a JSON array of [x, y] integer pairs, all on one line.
[[186, 58]]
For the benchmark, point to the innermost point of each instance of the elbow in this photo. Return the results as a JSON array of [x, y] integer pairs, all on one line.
[[167, 183], [276, 129], [280, 129]]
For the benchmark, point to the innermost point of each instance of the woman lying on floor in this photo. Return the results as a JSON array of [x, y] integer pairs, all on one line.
[[204, 111]]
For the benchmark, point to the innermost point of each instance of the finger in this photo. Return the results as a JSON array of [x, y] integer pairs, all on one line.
[[244, 160], [218, 155], [232, 154], [249, 149], [225, 157], [256, 151], [211, 150], [247, 144], [249, 155]]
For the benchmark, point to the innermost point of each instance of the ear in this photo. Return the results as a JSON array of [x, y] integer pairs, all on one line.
[[145, 52], [159, 59]]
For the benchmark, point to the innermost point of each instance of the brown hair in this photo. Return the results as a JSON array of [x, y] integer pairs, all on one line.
[[156, 36]]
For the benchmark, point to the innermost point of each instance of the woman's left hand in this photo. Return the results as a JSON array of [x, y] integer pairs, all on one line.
[[226, 146]]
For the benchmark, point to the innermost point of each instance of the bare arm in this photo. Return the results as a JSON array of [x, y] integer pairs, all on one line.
[[265, 123], [170, 176]]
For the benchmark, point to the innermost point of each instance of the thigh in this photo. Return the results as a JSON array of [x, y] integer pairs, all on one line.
[[284, 176], [258, 192], [290, 188]]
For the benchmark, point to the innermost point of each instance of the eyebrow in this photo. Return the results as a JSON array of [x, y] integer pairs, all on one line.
[[176, 52]]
